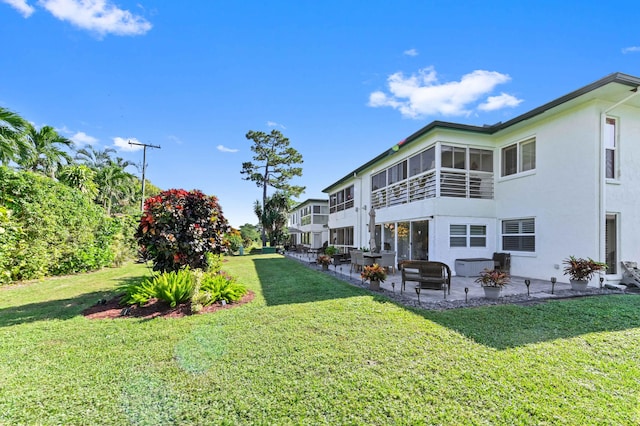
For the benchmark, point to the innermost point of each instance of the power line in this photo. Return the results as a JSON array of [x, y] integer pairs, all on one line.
[[144, 165]]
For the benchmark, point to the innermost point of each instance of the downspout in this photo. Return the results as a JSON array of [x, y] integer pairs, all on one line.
[[602, 208]]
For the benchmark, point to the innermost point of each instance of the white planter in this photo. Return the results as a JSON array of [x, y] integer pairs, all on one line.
[[492, 292], [579, 285]]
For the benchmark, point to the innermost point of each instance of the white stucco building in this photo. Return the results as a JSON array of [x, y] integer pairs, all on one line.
[[560, 180], [308, 223]]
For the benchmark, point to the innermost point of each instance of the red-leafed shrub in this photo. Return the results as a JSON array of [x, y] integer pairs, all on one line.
[[178, 228]]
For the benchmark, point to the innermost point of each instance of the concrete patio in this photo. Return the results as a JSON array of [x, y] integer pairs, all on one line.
[[465, 292]]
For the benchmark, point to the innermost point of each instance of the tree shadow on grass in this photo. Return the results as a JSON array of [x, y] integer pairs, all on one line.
[[59, 309], [285, 281], [509, 326]]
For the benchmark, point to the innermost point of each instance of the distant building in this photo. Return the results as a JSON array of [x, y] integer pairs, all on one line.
[[308, 223], [562, 179]]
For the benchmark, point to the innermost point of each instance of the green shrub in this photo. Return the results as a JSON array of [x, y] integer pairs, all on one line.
[[173, 287], [218, 287], [49, 228]]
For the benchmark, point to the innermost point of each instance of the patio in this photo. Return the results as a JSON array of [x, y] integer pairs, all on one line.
[[465, 292]]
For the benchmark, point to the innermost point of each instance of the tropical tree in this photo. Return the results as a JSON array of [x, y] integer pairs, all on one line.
[[274, 216], [47, 153], [13, 145], [94, 158], [274, 165], [115, 186], [250, 234], [81, 177]]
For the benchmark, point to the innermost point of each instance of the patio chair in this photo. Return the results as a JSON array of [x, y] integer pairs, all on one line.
[[356, 260], [631, 274], [388, 260], [502, 261]]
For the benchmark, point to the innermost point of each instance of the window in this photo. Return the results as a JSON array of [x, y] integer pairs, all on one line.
[[467, 235], [519, 235], [453, 157], [422, 162], [481, 160], [342, 236], [519, 157], [610, 134], [341, 200], [379, 180], [397, 173]]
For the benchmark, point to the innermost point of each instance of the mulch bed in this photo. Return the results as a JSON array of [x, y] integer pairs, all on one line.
[[154, 308]]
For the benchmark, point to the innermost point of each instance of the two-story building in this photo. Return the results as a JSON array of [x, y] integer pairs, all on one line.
[[308, 223], [562, 179]]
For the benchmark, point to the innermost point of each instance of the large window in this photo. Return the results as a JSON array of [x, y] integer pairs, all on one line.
[[467, 235], [422, 162], [453, 157], [342, 236], [379, 180], [519, 157], [397, 173], [610, 136], [341, 200], [519, 235]]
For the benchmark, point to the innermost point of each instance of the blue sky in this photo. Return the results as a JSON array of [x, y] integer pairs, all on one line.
[[343, 80]]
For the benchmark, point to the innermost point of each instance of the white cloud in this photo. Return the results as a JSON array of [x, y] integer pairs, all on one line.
[[274, 124], [421, 94], [81, 138], [223, 148], [631, 49], [410, 52], [498, 102], [97, 15], [21, 6], [123, 144]]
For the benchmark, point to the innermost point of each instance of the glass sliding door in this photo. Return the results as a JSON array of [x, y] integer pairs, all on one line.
[[420, 240], [389, 237], [403, 244], [611, 243]]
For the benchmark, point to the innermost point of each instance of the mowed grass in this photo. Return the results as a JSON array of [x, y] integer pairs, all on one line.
[[311, 349]]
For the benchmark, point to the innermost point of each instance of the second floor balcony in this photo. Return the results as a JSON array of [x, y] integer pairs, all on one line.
[[435, 183]]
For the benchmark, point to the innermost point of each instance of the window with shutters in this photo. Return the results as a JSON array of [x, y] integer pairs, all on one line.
[[467, 235], [519, 235]]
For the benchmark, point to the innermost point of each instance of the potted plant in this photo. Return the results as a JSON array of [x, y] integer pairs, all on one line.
[[492, 281], [581, 271], [331, 250], [325, 261], [375, 274]]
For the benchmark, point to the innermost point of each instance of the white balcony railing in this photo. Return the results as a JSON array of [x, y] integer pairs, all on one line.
[[459, 184]]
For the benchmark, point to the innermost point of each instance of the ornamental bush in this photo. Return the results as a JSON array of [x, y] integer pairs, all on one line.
[[179, 228], [47, 228]]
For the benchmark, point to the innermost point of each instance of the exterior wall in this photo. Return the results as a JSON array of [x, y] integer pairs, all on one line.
[[621, 195], [562, 194], [566, 214]]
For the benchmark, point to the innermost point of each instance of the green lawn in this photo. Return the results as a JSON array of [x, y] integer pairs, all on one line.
[[311, 349]]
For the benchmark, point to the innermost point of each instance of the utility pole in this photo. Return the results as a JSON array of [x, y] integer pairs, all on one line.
[[144, 166]]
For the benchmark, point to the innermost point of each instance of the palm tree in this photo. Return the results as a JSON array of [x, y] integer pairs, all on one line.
[[94, 158], [115, 185], [81, 177], [13, 145], [46, 156]]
